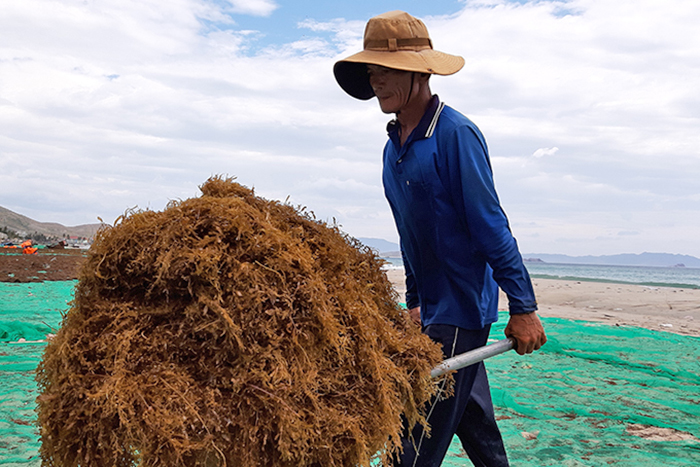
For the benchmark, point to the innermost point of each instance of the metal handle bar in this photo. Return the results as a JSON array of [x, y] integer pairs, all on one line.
[[473, 356]]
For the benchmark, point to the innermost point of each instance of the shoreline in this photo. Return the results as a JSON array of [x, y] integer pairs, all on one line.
[[668, 309], [616, 282]]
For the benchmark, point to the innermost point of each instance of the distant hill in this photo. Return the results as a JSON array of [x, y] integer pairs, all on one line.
[[389, 249], [379, 244], [23, 225], [643, 259]]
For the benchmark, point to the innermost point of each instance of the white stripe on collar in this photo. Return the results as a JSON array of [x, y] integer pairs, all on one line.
[[433, 123]]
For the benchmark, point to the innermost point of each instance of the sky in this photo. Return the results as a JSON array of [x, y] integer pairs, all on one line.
[[590, 108]]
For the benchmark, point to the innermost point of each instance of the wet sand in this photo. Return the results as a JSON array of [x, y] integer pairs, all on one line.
[[667, 309], [46, 265]]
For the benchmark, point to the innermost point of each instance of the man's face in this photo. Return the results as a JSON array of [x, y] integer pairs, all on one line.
[[392, 87]]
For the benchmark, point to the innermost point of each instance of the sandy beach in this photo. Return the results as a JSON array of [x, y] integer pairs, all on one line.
[[666, 309], [669, 309]]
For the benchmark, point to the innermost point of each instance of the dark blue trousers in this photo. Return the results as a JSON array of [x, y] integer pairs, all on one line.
[[468, 414]]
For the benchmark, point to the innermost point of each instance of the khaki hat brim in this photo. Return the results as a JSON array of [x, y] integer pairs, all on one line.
[[351, 73]]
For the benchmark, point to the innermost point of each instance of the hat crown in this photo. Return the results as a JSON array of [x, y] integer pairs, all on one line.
[[396, 30]]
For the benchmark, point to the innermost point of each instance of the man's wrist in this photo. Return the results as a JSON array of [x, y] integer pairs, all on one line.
[[522, 312]]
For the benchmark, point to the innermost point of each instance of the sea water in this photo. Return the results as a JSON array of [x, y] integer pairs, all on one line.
[[641, 275]]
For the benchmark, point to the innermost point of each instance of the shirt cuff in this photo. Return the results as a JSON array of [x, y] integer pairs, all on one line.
[[520, 309]]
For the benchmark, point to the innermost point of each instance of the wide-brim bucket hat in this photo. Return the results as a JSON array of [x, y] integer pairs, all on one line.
[[394, 40]]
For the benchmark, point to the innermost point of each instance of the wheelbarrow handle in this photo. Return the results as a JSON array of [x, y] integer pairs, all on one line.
[[473, 356]]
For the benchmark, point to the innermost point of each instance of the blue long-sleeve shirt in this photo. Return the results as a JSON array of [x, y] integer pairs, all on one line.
[[455, 238]]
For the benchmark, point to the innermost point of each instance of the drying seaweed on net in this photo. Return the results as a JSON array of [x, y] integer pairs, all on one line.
[[229, 330]]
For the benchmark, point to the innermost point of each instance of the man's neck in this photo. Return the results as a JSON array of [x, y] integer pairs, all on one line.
[[410, 116]]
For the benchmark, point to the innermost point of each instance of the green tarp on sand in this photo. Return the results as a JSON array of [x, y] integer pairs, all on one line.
[[595, 395]]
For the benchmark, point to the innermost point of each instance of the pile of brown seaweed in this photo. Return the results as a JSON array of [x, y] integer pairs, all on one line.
[[229, 330]]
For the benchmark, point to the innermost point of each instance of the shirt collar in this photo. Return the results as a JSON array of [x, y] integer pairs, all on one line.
[[426, 126]]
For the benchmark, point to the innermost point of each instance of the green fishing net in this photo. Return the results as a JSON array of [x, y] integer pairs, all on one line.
[[590, 397], [598, 394], [28, 313]]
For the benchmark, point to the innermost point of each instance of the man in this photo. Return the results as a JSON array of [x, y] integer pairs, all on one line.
[[455, 238]]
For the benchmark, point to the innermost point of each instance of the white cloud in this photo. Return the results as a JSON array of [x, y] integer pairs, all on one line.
[[112, 104], [541, 152], [253, 7]]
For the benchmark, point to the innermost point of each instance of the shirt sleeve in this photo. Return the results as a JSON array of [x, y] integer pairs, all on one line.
[[470, 178]]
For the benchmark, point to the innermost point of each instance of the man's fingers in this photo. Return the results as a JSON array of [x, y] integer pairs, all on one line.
[[527, 331]]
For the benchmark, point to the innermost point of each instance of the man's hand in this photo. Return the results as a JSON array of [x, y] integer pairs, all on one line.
[[414, 313], [528, 332]]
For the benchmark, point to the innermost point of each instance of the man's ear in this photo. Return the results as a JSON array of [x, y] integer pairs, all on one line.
[[424, 77]]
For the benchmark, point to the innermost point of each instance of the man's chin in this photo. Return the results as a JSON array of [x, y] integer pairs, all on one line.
[[386, 108]]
